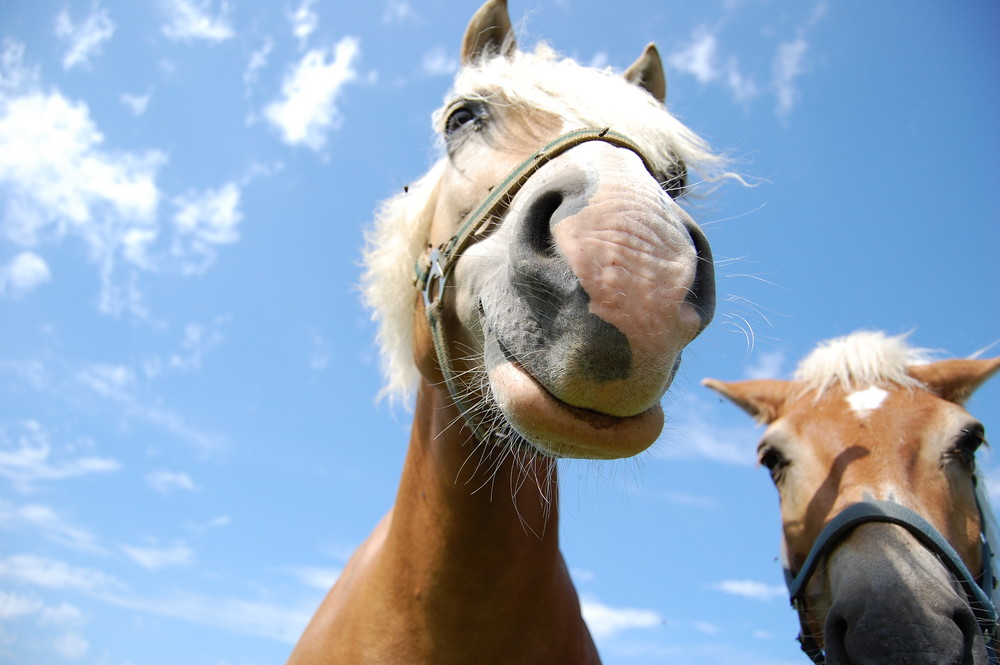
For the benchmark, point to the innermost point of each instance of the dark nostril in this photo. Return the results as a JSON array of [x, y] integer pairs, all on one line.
[[538, 223], [702, 294], [972, 636]]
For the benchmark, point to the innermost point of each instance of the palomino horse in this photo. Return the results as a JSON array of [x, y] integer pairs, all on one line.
[[887, 529], [537, 287]]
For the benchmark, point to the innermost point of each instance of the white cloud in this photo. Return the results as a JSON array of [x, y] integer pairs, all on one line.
[[316, 577], [53, 574], [83, 40], [25, 272], [304, 21], [399, 11], [14, 605], [439, 62], [25, 459], [319, 352], [751, 589], [205, 219], [605, 621], [258, 60], [71, 645], [115, 383], [57, 179], [51, 526], [697, 435], [188, 20], [787, 66], [137, 104], [768, 365], [249, 617], [699, 57], [154, 558], [307, 110], [165, 482]]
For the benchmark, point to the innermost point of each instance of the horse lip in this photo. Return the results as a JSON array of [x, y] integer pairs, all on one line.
[[594, 418]]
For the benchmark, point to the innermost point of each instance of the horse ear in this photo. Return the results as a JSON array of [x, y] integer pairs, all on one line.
[[489, 31], [955, 380], [761, 398], [647, 73]]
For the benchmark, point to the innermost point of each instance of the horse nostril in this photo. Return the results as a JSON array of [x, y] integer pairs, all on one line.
[[538, 223], [702, 294]]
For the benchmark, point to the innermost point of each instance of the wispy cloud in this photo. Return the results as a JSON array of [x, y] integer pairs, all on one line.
[[137, 104], [439, 61], [119, 384], [605, 621], [189, 20], [702, 59], [697, 435], [787, 67], [155, 558], [49, 573], [25, 459], [22, 274], [49, 524], [58, 180], [315, 577], [165, 482], [307, 110], [83, 40], [257, 62], [399, 11], [767, 365], [705, 58], [751, 589], [304, 21], [204, 220]]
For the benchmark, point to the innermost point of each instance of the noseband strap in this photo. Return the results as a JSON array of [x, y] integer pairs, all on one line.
[[978, 593], [433, 272]]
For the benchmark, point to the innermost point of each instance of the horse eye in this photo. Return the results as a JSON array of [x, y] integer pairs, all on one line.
[[775, 462], [968, 443], [460, 117]]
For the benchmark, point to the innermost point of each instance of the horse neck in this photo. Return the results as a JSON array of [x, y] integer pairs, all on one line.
[[462, 545], [452, 515]]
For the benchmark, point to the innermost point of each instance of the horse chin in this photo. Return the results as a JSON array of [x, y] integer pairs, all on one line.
[[557, 429]]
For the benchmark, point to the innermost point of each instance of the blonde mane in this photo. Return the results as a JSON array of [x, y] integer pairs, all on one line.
[[541, 83], [859, 360]]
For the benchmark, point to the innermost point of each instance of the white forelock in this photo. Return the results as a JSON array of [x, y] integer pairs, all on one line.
[[859, 360], [547, 84]]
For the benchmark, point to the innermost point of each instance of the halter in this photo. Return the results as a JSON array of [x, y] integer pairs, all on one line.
[[432, 273], [856, 514]]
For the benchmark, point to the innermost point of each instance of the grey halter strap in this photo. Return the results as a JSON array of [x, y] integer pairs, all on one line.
[[978, 593]]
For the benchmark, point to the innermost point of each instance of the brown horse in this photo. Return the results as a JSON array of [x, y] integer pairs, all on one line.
[[886, 526], [536, 287]]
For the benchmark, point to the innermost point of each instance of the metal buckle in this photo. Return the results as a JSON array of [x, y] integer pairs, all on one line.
[[435, 273]]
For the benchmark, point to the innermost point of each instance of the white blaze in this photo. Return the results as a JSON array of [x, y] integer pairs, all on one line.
[[865, 401]]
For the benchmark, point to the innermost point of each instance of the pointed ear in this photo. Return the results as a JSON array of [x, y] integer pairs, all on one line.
[[763, 399], [647, 73], [489, 31], [955, 380]]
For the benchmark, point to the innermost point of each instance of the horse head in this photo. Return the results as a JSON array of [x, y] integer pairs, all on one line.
[[561, 278], [884, 519]]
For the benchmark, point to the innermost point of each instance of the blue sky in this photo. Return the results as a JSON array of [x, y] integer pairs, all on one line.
[[190, 445]]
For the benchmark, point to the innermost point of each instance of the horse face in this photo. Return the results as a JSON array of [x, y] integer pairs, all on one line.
[[573, 312], [905, 446], [911, 446], [568, 318]]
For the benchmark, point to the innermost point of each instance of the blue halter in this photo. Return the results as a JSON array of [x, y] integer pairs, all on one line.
[[978, 593]]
